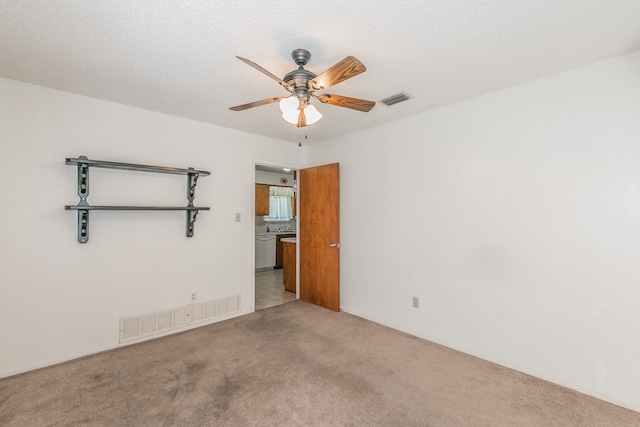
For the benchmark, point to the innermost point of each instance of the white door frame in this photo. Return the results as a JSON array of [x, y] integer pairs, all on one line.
[[252, 263]]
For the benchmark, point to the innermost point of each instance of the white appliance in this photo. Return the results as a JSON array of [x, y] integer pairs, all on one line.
[[265, 250]]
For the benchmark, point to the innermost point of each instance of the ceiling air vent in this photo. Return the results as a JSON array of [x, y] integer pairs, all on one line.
[[394, 99]]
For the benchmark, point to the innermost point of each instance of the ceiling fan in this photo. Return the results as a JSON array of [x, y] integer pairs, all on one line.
[[303, 84]]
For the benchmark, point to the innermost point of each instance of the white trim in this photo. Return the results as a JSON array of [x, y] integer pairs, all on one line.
[[57, 361]]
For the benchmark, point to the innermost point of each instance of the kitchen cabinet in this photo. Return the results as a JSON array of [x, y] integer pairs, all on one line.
[[289, 267], [279, 248], [262, 199]]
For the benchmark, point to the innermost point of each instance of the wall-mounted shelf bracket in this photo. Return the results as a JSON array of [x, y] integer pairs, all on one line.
[[83, 164]]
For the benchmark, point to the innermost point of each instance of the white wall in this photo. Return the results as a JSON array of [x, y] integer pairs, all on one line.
[[60, 299], [515, 218]]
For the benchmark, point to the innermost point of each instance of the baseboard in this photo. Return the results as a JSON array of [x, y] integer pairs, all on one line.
[[501, 362], [74, 356]]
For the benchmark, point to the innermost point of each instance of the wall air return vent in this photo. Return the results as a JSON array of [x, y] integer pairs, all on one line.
[[146, 325], [394, 99]]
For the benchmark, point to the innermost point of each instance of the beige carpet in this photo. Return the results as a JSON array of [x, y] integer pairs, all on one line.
[[293, 365]]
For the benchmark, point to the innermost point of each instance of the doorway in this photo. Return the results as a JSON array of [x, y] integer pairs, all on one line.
[[274, 223], [317, 259]]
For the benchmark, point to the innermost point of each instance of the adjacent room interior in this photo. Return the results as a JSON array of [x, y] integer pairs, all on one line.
[[489, 209], [276, 231]]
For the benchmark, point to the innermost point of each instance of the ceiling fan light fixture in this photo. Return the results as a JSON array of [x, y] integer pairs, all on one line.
[[313, 115], [289, 107], [289, 104], [291, 117]]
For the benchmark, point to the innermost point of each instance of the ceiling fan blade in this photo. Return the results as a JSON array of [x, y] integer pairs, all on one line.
[[265, 72], [302, 118], [343, 70], [344, 101], [256, 103]]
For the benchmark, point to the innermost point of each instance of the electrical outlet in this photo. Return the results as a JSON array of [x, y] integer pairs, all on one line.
[[416, 302], [193, 296], [238, 217]]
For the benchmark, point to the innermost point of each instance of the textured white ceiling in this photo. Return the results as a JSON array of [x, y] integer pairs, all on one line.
[[178, 57]]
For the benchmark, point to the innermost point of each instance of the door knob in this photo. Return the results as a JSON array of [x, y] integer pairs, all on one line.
[[334, 245]]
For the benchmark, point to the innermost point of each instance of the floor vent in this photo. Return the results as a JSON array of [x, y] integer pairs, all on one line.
[[150, 324]]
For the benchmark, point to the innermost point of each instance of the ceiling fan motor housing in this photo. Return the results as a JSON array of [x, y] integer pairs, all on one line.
[[299, 80]]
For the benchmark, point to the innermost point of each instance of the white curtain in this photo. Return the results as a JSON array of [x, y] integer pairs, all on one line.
[[280, 202]]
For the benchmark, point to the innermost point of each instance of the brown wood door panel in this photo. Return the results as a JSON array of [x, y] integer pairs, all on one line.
[[319, 227]]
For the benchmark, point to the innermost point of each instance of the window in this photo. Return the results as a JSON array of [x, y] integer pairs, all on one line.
[[280, 203]]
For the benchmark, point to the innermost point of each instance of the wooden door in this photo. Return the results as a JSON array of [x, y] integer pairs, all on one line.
[[319, 236]]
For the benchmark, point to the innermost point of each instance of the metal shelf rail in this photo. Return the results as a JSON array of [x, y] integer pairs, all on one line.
[[83, 164]]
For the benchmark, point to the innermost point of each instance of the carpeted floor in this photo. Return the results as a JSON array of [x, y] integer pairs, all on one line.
[[293, 365]]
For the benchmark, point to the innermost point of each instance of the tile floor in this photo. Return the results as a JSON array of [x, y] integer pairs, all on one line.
[[270, 290]]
